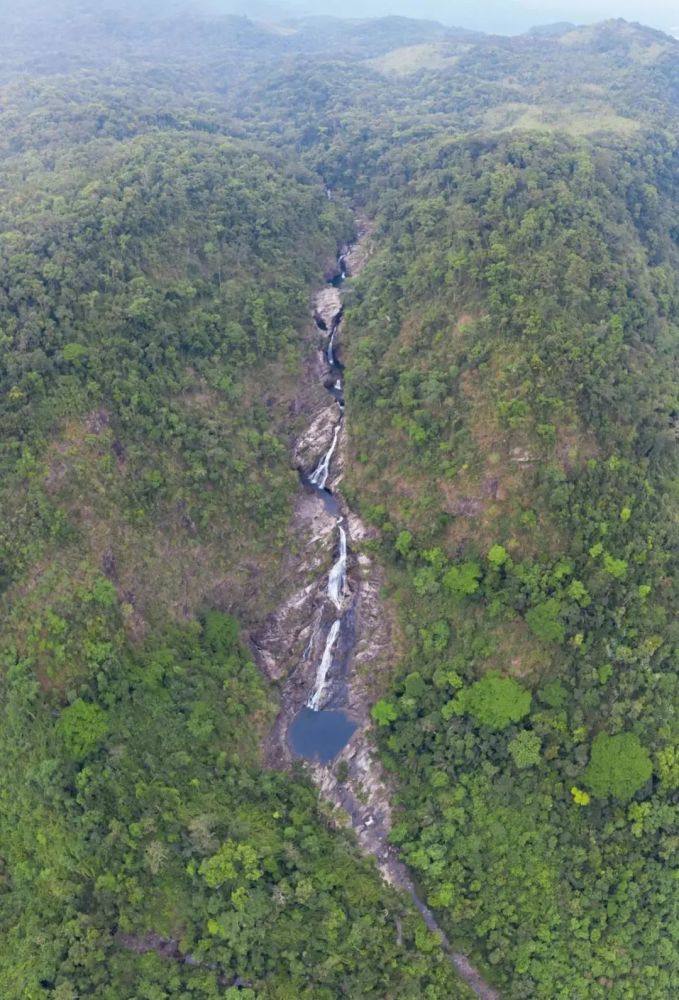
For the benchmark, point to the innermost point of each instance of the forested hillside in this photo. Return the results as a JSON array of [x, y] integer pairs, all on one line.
[[172, 189], [514, 370], [155, 278]]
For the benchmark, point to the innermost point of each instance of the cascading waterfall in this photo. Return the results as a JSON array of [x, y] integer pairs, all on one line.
[[338, 573], [319, 476], [319, 733], [337, 577], [315, 699], [331, 344]]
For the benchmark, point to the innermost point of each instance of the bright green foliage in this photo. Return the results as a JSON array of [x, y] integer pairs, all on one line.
[[619, 765], [578, 592], [73, 352], [667, 760], [383, 712], [232, 862], [403, 543], [463, 580], [496, 701], [82, 726], [497, 556], [616, 567], [525, 748]]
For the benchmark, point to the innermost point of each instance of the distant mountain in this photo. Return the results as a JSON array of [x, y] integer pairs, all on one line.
[[372, 36], [558, 28], [618, 34]]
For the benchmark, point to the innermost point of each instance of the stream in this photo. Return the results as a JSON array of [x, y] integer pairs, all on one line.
[[322, 728], [347, 629]]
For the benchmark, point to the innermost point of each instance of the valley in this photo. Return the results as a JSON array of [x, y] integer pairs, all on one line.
[[338, 489]]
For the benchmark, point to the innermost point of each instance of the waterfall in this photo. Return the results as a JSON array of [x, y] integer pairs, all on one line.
[[338, 385], [315, 698], [319, 476], [331, 353], [337, 577]]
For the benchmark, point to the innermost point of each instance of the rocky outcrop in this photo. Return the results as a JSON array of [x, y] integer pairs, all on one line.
[[316, 439], [280, 642], [354, 257], [328, 307]]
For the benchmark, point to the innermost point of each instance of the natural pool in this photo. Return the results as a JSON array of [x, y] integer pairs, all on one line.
[[320, 735]]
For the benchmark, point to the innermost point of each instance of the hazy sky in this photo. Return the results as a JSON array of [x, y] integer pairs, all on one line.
[[507, 15]]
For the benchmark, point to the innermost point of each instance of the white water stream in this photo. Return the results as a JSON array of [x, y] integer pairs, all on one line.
[[331, 345], [319, 476], [315, 699], [338, 573]]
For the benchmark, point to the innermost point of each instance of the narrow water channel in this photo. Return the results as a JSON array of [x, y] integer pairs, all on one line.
[[322, 728]]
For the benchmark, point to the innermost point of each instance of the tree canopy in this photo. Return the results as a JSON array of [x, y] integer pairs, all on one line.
[[619, 765]]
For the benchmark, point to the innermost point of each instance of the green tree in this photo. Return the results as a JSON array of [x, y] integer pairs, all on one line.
[[498, 555], [463, 580], [667, 760], [543, 621], [496, 701], [525, 749], [220, 631], [619, 765], [384, 713], [233, 861], [82, 727], [616, 567]]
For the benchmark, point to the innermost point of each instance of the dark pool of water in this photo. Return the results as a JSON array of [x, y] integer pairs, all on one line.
[[320, 735], [329, 501]]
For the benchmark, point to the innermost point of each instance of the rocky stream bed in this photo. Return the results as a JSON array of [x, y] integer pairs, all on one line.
[[330, 638]]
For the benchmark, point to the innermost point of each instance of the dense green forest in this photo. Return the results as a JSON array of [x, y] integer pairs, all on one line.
[[514, 370], [511, 368]]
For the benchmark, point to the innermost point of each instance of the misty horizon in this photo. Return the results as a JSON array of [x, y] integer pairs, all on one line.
[[495, 16], [507, 17]]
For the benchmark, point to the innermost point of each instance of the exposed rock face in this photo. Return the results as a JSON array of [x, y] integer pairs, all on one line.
[[316, 440], [320, 322], [291, 640], [355, 256], [289, 644], [280, 643], [328, 306]]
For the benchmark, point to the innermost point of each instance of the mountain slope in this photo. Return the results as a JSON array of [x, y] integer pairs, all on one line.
[[513, 371], [156, 274]]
